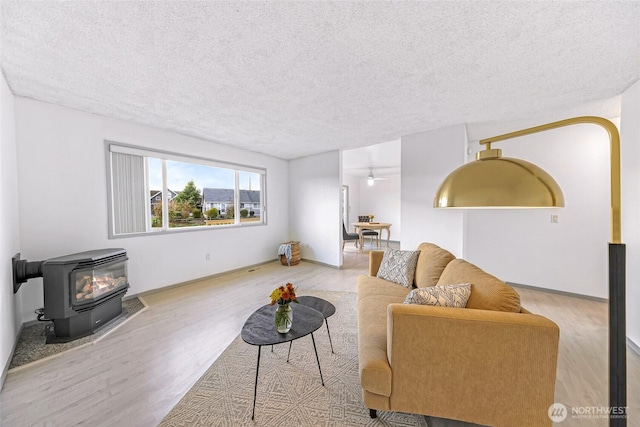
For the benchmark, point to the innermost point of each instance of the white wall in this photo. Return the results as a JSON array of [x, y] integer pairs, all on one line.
[[63, 201], [353, 182], [382, 199], [9, 228], [523, 246], [427, 158], [630, 162], [315, 218]]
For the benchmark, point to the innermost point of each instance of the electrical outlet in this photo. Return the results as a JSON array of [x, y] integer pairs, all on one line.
[[207, 256], [554, 218]]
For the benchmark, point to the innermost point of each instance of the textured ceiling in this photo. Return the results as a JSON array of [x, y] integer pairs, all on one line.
[[296, 78]]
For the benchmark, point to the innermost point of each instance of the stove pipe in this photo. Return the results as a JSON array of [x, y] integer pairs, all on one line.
[[24, 270]]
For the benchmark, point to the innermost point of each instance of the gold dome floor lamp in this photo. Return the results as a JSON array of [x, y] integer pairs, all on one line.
[[493, 181]]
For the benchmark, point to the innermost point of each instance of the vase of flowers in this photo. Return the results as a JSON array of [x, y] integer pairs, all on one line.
[[283, 296]]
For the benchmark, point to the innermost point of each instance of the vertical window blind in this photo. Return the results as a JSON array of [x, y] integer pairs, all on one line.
[[128, 186]]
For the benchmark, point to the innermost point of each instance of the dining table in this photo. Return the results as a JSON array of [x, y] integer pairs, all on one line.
[[359, 226]]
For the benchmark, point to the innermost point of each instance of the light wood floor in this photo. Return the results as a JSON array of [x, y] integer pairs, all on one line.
[[135, 375]]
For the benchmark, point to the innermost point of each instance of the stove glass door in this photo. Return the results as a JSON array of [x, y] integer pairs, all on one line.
[[93, 283]]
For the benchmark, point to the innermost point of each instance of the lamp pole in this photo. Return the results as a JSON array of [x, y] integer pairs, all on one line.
[[617, 257]]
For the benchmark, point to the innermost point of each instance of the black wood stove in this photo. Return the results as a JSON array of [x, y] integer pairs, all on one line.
[[82, 292]]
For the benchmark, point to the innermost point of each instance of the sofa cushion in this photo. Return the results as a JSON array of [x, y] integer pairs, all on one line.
[[375, 371], [455, 296], [398, 266], [374, 295], [431, 262], [487, 291], [370, 286]]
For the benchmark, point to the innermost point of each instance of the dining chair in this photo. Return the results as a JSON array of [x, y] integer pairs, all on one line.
[[368, 232], [348, 236]]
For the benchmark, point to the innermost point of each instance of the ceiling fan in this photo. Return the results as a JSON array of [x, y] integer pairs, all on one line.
[[371, 179]]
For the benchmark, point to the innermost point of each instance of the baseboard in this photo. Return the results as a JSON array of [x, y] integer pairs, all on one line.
[[321, 263], [36, 321], [128, 297], [213, 276], [8, 362], [4, 371], [200, 279], [554, 291], [632, 345], [32, 322]]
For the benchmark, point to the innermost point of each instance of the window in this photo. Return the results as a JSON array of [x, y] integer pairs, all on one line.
[[154, 191]]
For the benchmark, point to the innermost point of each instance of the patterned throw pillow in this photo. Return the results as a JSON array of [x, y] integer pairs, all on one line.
[[455, 296], [398, 266]]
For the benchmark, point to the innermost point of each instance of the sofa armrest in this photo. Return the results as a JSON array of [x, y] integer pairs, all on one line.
[[375, 259], [484, 360]]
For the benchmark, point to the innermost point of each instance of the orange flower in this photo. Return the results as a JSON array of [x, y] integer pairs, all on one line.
[[283, 294]]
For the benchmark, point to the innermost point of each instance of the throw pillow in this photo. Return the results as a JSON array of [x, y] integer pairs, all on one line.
[[455, 296], [398, 266]]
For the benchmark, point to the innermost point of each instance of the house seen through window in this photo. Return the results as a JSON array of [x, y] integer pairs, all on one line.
[[156, 191]]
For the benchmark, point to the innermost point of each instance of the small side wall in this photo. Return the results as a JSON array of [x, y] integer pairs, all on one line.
[[9, 228], [315, 188], [630, 153]]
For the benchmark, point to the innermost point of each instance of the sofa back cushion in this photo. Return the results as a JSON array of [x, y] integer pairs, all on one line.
[[487, 291], [431, 262], [398, 266]]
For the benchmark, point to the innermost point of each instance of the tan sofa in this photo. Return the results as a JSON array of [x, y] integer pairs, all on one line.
[[491, 363]]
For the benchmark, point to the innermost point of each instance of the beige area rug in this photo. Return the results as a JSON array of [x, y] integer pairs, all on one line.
[[289, 394]]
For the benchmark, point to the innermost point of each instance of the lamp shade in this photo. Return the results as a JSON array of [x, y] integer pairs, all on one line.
[[493, 181]]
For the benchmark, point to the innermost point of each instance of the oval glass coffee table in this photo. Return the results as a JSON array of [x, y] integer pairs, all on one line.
[[260, 330]]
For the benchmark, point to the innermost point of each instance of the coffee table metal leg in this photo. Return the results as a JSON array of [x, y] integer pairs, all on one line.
[[288, 354], [317, 358], [255, 388], [329, 333]]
